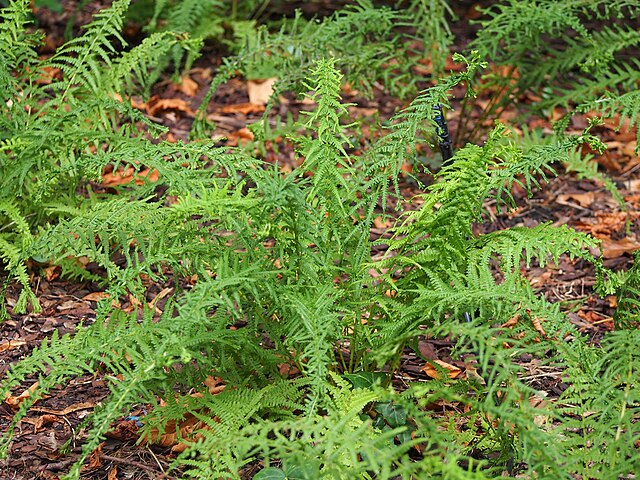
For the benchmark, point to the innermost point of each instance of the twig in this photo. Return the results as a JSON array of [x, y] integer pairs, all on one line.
[[141, 466]]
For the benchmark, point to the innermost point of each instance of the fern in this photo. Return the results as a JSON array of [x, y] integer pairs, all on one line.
[[439, 256], [360, 39], [79, 58], [628, 311], [602, 421], [430, 19], [586, 59], [281, 264], [49, 149], [582, 165], [627, 105]]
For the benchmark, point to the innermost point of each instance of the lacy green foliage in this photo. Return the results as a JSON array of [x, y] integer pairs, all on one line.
[[361, 39], [602, 407], [430, 18], [200, 19], [283, 266], [566, 52], [339, 444], [628, 311], [627, 105], [440, 266], [415, 124], [583, 166], [58, 132]]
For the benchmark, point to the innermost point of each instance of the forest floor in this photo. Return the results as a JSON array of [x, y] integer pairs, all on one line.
[[56, 421]]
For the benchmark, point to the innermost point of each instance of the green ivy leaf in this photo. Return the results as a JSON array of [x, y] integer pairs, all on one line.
[[365, 379], [394, 414], [270, 473], [295, 471]]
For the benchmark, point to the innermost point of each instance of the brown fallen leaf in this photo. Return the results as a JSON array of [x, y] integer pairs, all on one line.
[[616, 248], [96, 296], [539, 401], [582, 199], [383, 223], [537, 324], [52, 272], [47, 75], [126, 430], [188, 86], [431, 371], [260, 90], [66, 411], [160, 296], [15, 402], [156, 105], [44, 420], [10, 345], [183, 433], [605, 223], [113, 473], [122, 176], [94, 460], [180, 435], [214, 384], [243, 108], [512, 322]]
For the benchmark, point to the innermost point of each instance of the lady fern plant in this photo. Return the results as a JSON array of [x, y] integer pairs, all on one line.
[[574, 53], [283, 265], [59, 132]]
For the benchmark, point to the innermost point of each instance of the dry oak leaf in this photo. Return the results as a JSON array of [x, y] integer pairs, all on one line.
[[431, 371], [10, 345], [126, 430], [43, 420], [52, 272], [582, 199], [122, 176], [156, 105], [188, 86], [15, 402], [96, 296], [617, 248], [260, 91], [178, 435], [47, 75], [244, 108], [185, 432]]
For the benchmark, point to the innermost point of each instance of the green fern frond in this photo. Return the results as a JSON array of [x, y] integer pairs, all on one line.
[[135, 65], [628, 312], [601, 405], [627, 105], [79, 58], [431, 18]]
